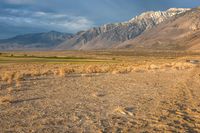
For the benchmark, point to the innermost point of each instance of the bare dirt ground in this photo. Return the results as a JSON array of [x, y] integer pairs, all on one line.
[[156, 98]]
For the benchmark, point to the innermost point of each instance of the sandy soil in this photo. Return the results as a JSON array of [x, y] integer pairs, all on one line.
[[154, 101]]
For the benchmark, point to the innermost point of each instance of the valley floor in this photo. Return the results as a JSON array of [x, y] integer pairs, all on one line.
[[154, 101], [105, 93]]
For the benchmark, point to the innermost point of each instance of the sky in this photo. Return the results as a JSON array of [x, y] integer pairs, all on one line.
[[32, 16]]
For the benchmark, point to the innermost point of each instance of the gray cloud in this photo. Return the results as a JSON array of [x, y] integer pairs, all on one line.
[[19, 2], [47, 20]]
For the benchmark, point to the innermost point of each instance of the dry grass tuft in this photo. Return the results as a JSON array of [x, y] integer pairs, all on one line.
[[61, 72], [152, 66], [69, 70], [6, 99], [93, 69], [120, 110], [8, 77], [18, 83], [10, 90]]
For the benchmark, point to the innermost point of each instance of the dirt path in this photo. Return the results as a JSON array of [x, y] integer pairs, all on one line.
[[184, 110], [154, 101]]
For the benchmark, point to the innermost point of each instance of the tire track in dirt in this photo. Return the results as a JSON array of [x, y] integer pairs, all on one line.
[[189, 82], [183, 111]]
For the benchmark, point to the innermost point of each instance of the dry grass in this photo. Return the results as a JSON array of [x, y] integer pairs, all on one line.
[[120, 110], [6, 99], [13, 74], [126, 62], [10, 90], [8, 77]]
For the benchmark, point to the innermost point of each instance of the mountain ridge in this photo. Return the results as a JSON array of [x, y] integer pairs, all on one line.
[[110, 35], [181, 32], [35, 40]]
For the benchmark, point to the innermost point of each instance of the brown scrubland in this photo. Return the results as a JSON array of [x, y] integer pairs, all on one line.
[[99, 91]]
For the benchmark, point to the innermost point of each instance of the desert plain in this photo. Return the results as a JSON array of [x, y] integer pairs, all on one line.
[[99, 91]]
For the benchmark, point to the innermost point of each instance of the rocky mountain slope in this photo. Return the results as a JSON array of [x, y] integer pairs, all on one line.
[[181, 32], [110, 35], [35, 41]]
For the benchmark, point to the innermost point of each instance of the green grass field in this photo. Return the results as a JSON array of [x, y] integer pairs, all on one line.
[[93, 57], [50, 59]]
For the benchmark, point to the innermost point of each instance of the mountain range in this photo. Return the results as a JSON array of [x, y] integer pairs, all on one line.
[[173, 29], [32, 41], [181, 32]]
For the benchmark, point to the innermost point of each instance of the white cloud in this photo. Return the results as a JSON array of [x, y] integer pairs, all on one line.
[[47, 20], [19, 2]]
